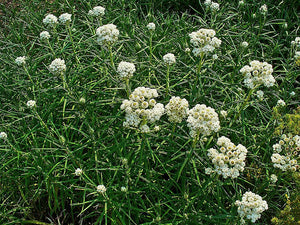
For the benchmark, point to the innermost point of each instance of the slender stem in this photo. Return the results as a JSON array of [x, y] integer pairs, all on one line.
[[27, 72], [48, 42], [71, 39], [41, 121], [111, 57], [127, 87], [168, 79]]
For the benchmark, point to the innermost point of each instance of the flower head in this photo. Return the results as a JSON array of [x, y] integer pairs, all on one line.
[[280, 103], [263, 9], [20, 60], [244, 44], [57, 66], [78, 172], [50, 20], [31, 103], [177, 109], [45, 35], [107, 34], [228, 159], [202, 120], [251, 206], [151, 26], [65, 18], [3, 135], [101, 188], [169, 59], [258, 73], [97, 11], [126, 70], [273, 178]]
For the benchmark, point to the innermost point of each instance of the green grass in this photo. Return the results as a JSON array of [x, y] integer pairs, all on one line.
[[46, 145]]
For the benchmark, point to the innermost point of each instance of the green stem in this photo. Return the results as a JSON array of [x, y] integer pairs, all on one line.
[[73, 46], [111, 57], [27, 72], [168, 79], [127, 87], [51, 48]]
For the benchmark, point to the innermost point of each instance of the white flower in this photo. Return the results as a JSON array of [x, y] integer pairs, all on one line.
[[204, 41], [177, 109], [207, 3], [273, 178], [228, 159], [3, 135], [107, 34], [20, 60], [169, 59], [123, 189], [251, 206], [65, 18], [244, 44], [263, 9], [98, 11], [202, 120], [214, 6], [101, 188], [260, 94], [151, 26], [241, 3], [44, 35], [57, 66], [187, 50], [292, 93], [280, 103], [126, 70], [50, 20], [258, 73], [223, 113], [215, 57], [31, 103], [78, 172], [296, 42]]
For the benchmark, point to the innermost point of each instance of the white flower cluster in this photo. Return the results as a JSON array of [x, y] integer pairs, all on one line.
[[177, 109], [44, 35], [228, 160], [296, 42], [151, 26], [297, 58], [169, 59], [289, 147], [273, 178], [57, 66], [101, 188], [107, 34], [3, 135], [244, 44], [126, 70], [258, 73], [260, 95], [20, 60], [78, 172], [263, 9], [65, 18], [280, 103], [204, 41], [97, 11], [251, 207], [202, 120], [142, 108], [212, 5], [50, 20], [31, 103]]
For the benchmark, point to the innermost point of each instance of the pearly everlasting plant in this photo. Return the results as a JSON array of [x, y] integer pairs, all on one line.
[[126, 70], [78, 172], [296, 42], [251, 207], [97, 11], [107, 34], [228, 159], [204, 41], [151, 26], [142, 108], [202, 120], [57, 66], [177, 109], [65, 18], [45, 35], [50, 20], [258, 73], [20, 60], [169, 59], [286, 153], [31, 103], [101, 188], [3, 135]]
